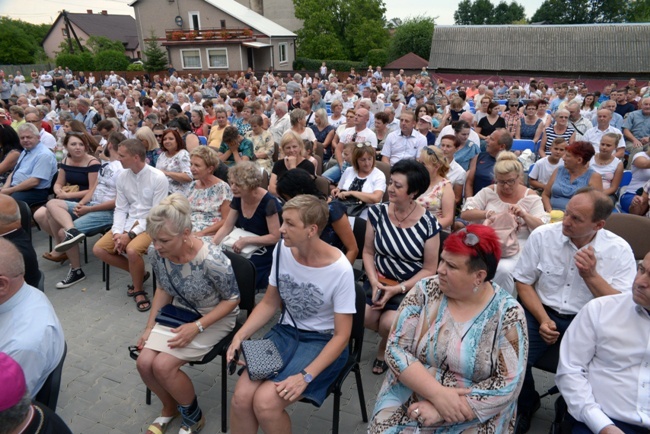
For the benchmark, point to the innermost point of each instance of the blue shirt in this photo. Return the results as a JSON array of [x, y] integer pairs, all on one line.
[[39, 163], [32, 335], [555, 104], [638, 124]]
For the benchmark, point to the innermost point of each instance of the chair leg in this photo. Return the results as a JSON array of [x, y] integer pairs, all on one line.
[[50, 243], [108, 277], [148, 398], [336, 411], [85, 250], [224, 394], [362, 399], [103, 271]]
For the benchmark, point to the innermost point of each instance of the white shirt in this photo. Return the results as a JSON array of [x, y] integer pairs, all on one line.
[[593, 136], [543, 170], [47, 139], [136, 195], [547, 263], [456, 174], [365, 135], [399, 147], [604, 368], [331, 96], [279, 126], [449, 130]]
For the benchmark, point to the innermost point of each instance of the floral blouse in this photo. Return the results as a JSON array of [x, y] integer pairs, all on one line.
[[179, 163], [431, 199], [486, 354], [263, 143], [206, 204]]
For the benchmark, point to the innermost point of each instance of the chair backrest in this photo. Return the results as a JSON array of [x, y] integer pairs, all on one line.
[[41, 281], [25, 217], [323, 185], [49, 393], [319, 165], [246, 276], [522, 144], [203, 140], [384, 167], [265, 179], [276, 151], [319, 150], [358, 329], [632, 228], [359, 231], [627, 178]]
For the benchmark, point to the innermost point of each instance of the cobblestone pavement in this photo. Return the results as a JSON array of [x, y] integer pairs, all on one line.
[[102, 393]]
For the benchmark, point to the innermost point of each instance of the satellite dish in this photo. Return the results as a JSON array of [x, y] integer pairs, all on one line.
[[179, 21]]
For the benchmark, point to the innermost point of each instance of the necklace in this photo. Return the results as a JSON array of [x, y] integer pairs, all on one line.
[[399, 222]]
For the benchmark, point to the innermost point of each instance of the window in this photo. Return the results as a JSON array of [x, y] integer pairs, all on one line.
[[217, 58], [65, 32], [223, 24], [194, 19], [283, 53], [191, 59]]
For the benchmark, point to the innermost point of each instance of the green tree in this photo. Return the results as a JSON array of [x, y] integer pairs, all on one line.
[[340, 29], [111, 59], [414, 35], [505, 13], [463, 15], [583, 11], [97, 44], [155, 57], [638, 11], [482, 12], [20, 41]]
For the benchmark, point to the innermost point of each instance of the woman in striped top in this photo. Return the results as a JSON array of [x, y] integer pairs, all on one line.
[[560, 128], [401, 248]]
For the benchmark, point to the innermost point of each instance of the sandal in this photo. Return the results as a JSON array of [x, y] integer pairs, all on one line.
[[197, 427], [129, 288], [60, 258], [379, 364], [162, 423], [141, 304]]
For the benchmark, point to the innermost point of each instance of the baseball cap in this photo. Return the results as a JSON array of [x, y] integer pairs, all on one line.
[[426, 118]]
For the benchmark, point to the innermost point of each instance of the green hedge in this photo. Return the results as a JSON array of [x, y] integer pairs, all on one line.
[[303, 63]]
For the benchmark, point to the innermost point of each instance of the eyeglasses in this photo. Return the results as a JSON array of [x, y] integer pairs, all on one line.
[[158, 136], [509, 182], [431, 152], [563, 117]]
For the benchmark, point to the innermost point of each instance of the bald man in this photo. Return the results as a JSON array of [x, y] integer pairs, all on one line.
[[30, 331], [449, 130], [11, 229]]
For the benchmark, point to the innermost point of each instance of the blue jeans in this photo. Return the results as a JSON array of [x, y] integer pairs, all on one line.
[[30, 197], [626, 201], [92, 221], [334, 173], [536, 349]]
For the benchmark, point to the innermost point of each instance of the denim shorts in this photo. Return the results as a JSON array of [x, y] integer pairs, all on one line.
[[91, 221], [309, 347]]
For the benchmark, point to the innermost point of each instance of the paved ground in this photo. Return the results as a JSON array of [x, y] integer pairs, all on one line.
[[101, 391]]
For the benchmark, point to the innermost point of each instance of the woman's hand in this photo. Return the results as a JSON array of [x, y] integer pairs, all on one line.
[[62, 195], [235, 345], [290, 162], [452, 405], [240, 244], [337, 191], [387, 292], [292, 388], [143, 338], [184, 335], [425, 413], [344, 195]]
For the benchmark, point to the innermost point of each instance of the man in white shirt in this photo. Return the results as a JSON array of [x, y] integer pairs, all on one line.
[[578, 122], [280, 121], [33, 116], [139, 188], [594, 134], [333, 93], [449, 130], [561, 268], [604, 362], [405, 143]]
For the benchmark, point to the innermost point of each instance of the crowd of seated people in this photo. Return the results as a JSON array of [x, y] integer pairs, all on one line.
[[174, 166]]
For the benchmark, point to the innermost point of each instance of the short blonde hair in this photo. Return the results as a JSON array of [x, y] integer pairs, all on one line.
[[245, 174], [311, 209], [208, 155], [322, 115], [171, 214], [432, 156], [507, 163], [289, 137], [147, 137]]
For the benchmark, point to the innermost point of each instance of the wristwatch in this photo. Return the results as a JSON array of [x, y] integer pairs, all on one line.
[[403, 288], [132, 235], [307, 377], [200, 326]]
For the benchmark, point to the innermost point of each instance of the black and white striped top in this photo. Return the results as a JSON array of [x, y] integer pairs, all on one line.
[[399, 252]]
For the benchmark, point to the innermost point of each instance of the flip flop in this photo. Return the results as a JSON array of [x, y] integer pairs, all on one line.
[[379, 364], [142, 305], [162, 422], [129, 288]]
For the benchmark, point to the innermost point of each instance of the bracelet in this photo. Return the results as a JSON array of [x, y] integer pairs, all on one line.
[[200, 326]]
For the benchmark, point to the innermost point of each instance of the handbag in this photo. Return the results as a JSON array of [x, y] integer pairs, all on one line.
[[354, 207], [247, 251], [505, 225], [263, 359], [175, 316]]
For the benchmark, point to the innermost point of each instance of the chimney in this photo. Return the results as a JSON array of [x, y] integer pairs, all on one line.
[[104, 12], [89, 11]]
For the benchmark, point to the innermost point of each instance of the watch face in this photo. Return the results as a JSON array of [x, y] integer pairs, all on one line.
[[308, 378]]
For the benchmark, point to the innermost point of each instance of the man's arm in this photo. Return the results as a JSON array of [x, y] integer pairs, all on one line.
[[27, 184], [469, 181]]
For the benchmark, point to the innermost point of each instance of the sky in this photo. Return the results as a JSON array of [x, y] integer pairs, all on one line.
[[46, 11]]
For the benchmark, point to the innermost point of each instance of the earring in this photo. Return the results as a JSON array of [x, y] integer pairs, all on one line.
[[475, 289]]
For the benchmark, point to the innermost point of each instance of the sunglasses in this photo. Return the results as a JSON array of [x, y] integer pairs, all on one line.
[[472, 240], [431, 152], [363, 144], [158, 136]]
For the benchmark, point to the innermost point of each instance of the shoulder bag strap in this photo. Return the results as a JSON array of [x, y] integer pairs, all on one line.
[[277, 282], [176, 290]]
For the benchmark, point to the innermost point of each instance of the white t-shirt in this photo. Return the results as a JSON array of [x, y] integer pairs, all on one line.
[[106, 182], [456, 174], [639, 176], [543, 170], [47, 139], [362, 136], [308, 134], [375, 181], [314, 295]]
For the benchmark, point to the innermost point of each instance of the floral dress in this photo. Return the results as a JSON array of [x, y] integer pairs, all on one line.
[[180, 163], [431, 199], [263, 143], [206, 204]]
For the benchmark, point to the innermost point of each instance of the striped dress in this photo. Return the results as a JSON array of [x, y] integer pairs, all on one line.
[[399, 252], [551, 135]]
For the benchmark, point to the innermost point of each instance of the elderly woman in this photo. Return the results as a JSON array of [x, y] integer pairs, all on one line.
[[338, 231], [512, 117], [195, 276], [209, 196], [531, 126], [298, 119], [323, 132], [401, 248], [337, 117], [174, 162], [255, 210], [262, 143], [77, 174], [363, 182], [293, 149], [457, 350], [150, 141], [572, 176], [235, 148], [560, 128], [313, 338], [508, 195], [438, 199]]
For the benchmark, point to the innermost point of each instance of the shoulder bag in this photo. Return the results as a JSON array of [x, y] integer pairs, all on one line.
[[247, 251], [505, 225], [175, 316], [263, 359]]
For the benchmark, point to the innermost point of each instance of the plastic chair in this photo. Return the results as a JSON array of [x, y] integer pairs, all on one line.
[[246, 275], [630, 227], [323, 185], [359, 231], [203, 140], [627, 178], [384, 167], [25, 217], [522, 144], [49, 393], [41, 281]]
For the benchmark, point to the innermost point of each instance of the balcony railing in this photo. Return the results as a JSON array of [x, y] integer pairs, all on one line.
[[219, 34]]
